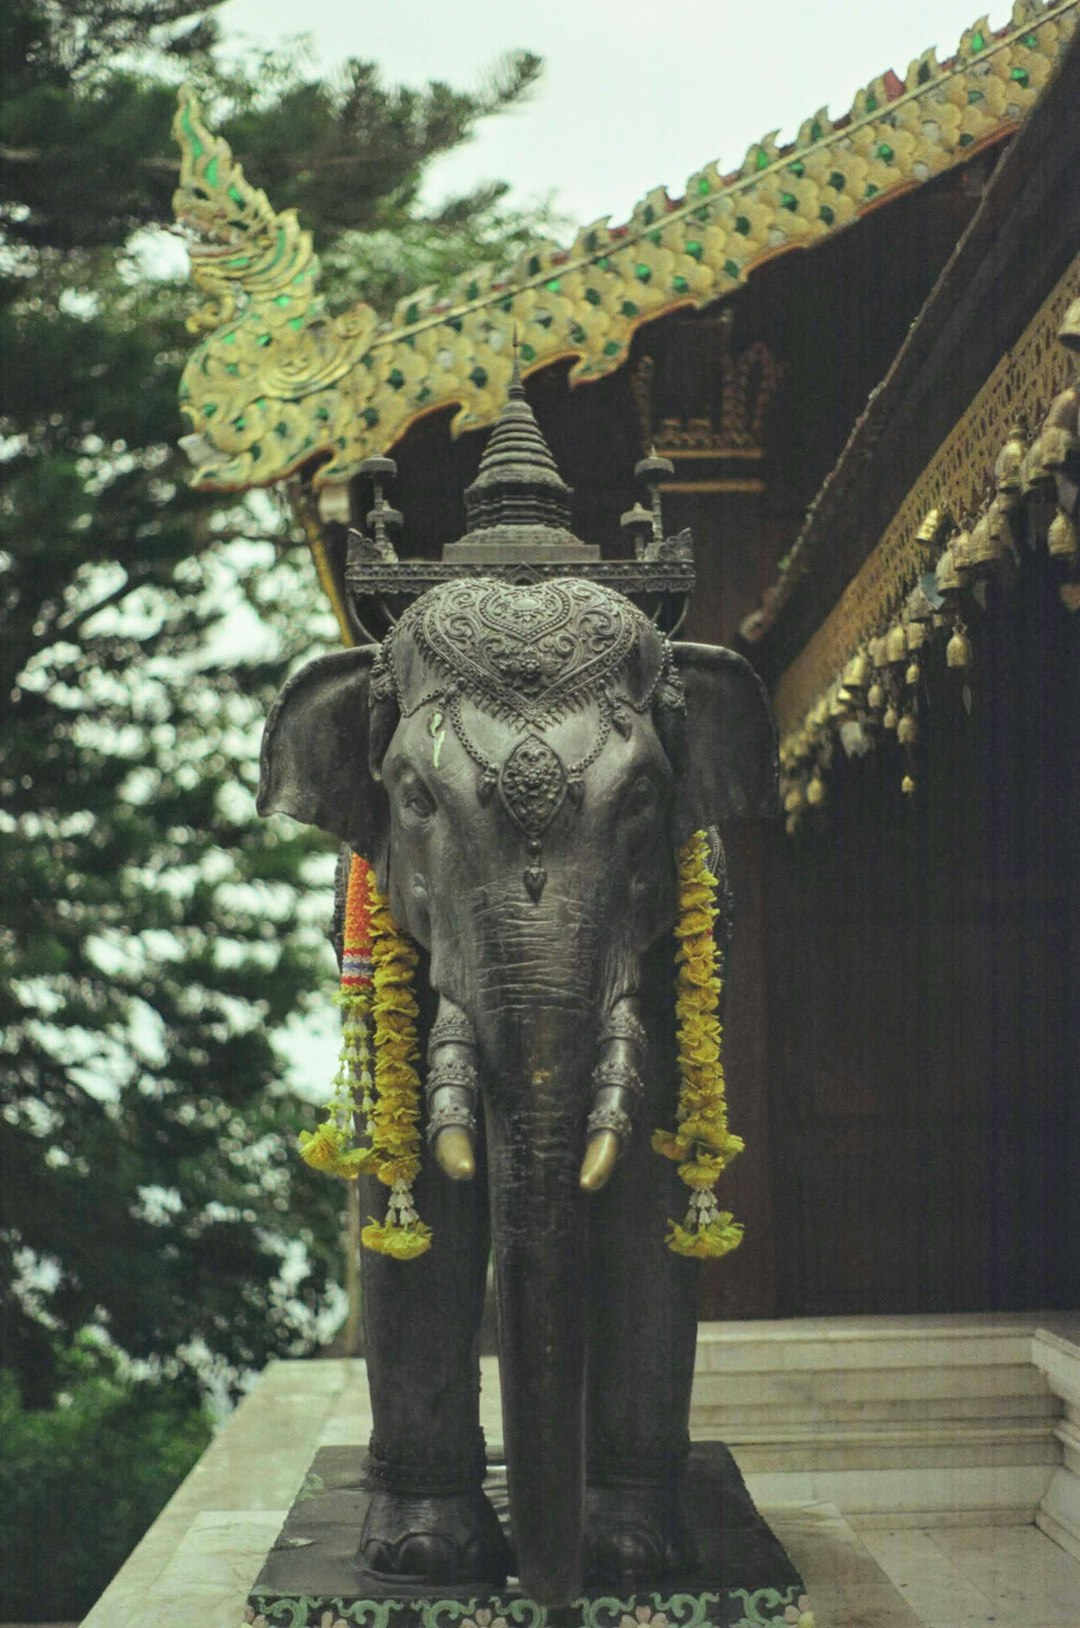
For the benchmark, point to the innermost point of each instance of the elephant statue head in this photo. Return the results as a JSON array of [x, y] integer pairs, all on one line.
[[521, 763]]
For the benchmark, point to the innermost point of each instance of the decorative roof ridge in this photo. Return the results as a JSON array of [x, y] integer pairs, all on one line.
[[763, 159], [583, 303], [823, 516]]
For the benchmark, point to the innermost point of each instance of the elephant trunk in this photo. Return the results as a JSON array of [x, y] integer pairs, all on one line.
[[536, 1027], [538, 1218]]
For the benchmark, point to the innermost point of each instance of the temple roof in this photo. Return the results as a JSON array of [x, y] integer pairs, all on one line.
[[277, 383]]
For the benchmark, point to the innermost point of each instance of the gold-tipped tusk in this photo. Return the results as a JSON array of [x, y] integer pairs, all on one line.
[[454, 1153], [599, 1161]]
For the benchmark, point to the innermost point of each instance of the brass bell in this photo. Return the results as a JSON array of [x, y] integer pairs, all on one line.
[[981, 552], [908, 786], [815, 791], [913, 674], [1063, 537], [931, 527], [794, 800], [857, 672], [820, 715], [1001, 518], [961, 553], [907, 730], [1007, 469], [896, 645], [1059, 443], [918, 610], [791, 824], [916, 635], [891, 718], [875, 696], [947, 576], [1056, 441], [958, 649], [878, 657]]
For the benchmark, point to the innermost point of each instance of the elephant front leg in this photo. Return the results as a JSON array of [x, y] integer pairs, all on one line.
[[428, 1519], [642, 1335]]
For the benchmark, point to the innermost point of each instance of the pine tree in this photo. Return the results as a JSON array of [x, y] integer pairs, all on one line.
[[154, 934]]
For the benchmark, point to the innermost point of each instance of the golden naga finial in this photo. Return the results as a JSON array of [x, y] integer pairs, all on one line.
[[238, 245], [269, 345]]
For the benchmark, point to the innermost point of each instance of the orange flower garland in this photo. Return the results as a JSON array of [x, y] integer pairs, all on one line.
[[383, 1106], [701, 1141]]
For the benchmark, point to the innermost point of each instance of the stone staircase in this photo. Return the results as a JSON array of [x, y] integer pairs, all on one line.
[[971, 1420]]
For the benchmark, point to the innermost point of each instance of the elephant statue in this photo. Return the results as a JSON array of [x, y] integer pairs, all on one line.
[[520, 763]]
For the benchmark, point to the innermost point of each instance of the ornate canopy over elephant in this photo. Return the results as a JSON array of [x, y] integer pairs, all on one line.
[[521, 763]]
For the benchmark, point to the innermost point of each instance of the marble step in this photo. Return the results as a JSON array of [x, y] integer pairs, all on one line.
[[939, 1419]]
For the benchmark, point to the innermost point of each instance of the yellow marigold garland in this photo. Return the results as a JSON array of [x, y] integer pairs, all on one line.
[[379, 1014], [701, 1141], [378, 966]]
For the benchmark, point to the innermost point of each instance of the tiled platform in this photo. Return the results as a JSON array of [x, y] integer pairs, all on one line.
[[943, 1440], [944, 1577]]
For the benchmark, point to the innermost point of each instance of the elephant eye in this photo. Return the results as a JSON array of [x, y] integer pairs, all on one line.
[[640, 796], [414, 797]]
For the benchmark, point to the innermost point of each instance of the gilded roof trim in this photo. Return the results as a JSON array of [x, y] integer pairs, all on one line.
[[277, 382], [1022, 387]]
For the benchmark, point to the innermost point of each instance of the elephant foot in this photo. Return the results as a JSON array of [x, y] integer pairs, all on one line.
[[635, 1534], [451, 1539]]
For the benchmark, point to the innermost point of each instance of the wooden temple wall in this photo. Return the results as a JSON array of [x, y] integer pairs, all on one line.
[[924, 1000]]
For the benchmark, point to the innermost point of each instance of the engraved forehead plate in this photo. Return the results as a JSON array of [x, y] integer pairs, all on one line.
[[531, 651]]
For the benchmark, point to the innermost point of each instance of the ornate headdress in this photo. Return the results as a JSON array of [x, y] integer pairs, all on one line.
[[529, 655]]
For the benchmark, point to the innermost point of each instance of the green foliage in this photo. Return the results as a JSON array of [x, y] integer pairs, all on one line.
[[111, 1444], [154, 934]]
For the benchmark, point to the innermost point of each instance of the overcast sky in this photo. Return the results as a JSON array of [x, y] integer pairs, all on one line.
[[633, 95]]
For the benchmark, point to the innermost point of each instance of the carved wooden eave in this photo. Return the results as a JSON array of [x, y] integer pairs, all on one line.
[[277, 384], [966, 457]]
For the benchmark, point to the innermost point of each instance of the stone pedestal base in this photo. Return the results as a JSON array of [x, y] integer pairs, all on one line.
[[745, 1579]]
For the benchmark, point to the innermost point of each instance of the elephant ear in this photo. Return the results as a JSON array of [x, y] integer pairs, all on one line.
[[315, 753], [730, 767]]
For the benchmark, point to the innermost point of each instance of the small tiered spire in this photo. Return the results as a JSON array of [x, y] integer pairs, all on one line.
[[518, 498], [518, 483]]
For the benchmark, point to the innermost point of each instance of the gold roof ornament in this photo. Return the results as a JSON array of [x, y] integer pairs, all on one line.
[[277, 382]]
